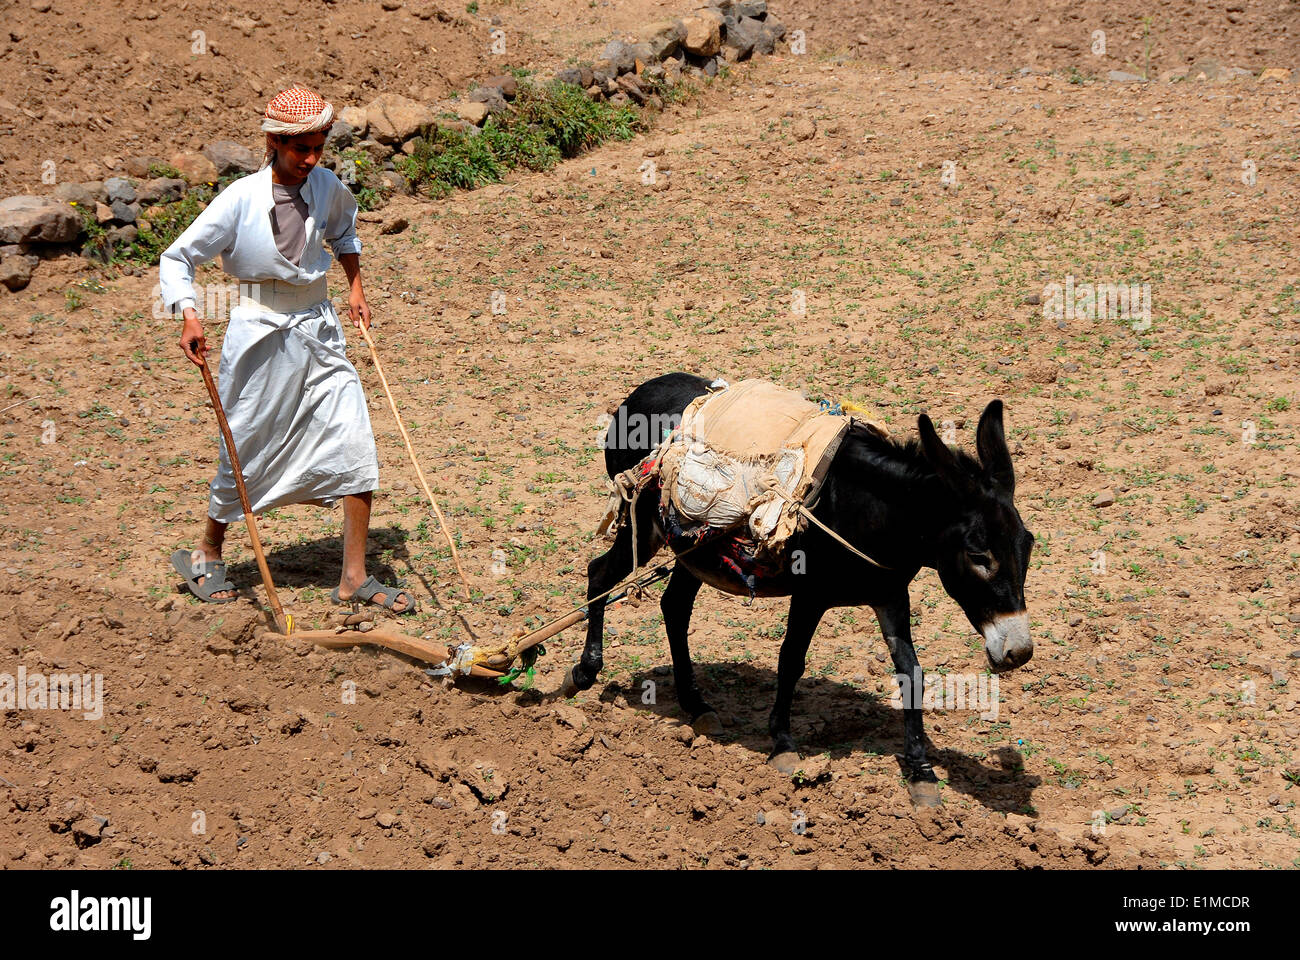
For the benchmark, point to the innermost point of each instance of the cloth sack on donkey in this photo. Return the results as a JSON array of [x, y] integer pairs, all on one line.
[[744, 459]]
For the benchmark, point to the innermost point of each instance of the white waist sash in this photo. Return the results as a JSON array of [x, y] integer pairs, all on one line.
[[279, 296]]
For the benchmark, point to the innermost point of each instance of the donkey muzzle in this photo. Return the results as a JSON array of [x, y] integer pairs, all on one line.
[[1007, 642]]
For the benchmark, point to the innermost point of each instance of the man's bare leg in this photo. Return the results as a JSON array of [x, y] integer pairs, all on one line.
[[356, 526], [214, 537]]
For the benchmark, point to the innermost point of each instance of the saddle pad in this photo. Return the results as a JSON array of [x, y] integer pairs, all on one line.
[[751, 453]]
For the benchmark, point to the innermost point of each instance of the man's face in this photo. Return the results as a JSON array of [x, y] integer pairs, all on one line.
[[296, 156]]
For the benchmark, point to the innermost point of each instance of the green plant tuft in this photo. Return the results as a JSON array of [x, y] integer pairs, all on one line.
[[544, 126]]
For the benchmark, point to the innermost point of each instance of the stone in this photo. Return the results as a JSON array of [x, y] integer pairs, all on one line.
[[123, 235], [341, 135], [621, 54], [702, 33], [570, 75], [629, 84], [603, 70], [773, 28], [393, 118], [16, 271], [460, 126], [375, 149], [757, 9], [124, 212], [74, 193], [472, 112], [230, 157], [1121, 76], [490, 97], [665, 39], [394, 225], [1104, 499], [641, 55], [740, 39], [86, 832], [804, 129], [1281, 74], [505, 82], [28, 219], [161, 190], [1205, 70], [711, 67], [119, 188], [354, 117], [396, 182], [194, 167], [103, 213], [138, 167]]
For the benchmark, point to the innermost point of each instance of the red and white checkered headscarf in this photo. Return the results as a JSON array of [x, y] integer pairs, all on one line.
[[294, 111], [297, 110]]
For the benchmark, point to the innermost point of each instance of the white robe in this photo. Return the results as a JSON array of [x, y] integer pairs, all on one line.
[[296, 406]]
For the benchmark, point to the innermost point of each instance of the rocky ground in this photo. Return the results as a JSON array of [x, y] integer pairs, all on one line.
[[924, 212]]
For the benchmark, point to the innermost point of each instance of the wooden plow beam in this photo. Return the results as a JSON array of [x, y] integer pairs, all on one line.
[[494, 661]]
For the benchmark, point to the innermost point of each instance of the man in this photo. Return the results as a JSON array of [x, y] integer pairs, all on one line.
[[296, 406]]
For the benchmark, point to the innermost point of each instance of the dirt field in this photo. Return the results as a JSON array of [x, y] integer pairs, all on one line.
[[924, 222]]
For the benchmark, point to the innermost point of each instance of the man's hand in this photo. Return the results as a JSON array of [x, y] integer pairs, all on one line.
[[193, 343], [358, 308]]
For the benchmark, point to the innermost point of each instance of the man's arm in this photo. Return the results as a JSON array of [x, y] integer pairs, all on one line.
[[341, 232], [205, 238], [358, 309]]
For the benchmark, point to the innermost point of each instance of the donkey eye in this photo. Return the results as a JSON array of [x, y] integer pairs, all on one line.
[[980, 559]]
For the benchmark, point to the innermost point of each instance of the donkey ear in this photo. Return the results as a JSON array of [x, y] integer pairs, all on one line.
[[939, 456], [991, 444]]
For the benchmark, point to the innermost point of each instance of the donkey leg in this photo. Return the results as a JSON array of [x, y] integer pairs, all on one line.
[[799, 628], [896, 624], [603, 573], [677, 603]]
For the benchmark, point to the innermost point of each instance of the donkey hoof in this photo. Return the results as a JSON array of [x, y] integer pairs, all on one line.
[[925, 793], [707, 724], [568, 686], [784, 762]]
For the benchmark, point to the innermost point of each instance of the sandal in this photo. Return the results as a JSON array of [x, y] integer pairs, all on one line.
[[214, 577], [366, 592]]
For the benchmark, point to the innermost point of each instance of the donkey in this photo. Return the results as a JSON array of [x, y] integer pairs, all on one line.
[[906, 505]]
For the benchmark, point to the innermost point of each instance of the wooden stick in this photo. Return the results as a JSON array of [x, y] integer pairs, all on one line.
[[530, 640], [374, 354], [426, 651], [280, 622]]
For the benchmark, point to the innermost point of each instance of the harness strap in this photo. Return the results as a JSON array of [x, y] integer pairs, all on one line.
[[804, 511]]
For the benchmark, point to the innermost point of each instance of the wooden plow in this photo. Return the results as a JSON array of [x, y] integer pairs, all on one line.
[[467, 660]]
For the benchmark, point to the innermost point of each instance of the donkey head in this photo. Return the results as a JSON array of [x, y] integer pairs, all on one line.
[[983, 552]]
